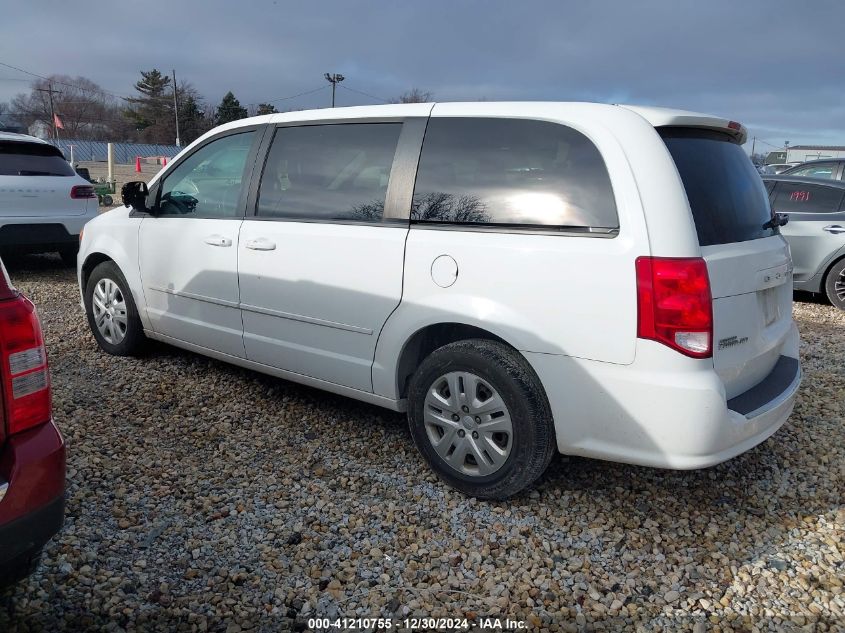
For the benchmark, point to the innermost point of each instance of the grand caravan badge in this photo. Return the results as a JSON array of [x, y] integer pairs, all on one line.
[[732, 341]]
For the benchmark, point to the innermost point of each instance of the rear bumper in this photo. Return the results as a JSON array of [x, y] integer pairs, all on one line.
[[21, 541], [31, 233], [32, 466], [674, 416]]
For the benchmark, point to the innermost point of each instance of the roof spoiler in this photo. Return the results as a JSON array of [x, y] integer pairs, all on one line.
[[666, 117]]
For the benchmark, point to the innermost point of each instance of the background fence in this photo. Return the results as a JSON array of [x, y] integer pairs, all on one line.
[[123, 152]]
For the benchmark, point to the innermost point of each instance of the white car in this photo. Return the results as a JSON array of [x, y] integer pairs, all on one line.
[[44, 203], [521, 278]]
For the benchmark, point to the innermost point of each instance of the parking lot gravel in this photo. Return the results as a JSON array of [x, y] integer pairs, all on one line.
[[203, 497]]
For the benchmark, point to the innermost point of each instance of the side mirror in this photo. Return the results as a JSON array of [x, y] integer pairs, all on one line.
[[134, 194]]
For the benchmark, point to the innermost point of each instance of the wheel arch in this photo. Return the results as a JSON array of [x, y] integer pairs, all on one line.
[[840, 255], [429, 338], [92, 260]]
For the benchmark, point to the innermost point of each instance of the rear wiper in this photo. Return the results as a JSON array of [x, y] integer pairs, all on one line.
[[778, 219]]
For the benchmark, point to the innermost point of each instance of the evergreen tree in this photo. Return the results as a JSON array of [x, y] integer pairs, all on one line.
[[151, 112], [191, 119], [266, 108], [230, 109]]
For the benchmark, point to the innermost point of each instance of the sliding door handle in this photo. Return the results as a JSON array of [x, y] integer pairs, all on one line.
[[260, 244], [218, 240]]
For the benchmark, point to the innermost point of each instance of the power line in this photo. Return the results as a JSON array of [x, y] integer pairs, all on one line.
[[301, 94], [366, 94], [114, 94], [64, 83]]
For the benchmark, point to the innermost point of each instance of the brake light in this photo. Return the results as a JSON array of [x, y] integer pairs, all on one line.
[[674, 305], [82, 191], [23, 365]]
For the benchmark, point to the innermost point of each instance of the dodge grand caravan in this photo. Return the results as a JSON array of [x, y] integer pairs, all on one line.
[[521, 278]]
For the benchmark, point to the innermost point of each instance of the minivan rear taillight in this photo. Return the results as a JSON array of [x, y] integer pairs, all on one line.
[[23, 363], [82, 191], [674, 305]]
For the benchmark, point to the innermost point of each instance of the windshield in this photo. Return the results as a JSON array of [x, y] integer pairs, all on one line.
[[726, 194]]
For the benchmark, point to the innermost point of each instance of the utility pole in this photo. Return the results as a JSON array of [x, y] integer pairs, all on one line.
[[49, 90], [753, 146], [786, 151], [176, 108], [334, 79]]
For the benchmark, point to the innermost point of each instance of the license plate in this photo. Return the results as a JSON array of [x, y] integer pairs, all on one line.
[[771, 306]]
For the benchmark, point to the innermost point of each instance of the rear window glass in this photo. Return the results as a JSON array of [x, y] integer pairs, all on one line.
[[799, 197], [32, 159], [726, 194], [512, 172]]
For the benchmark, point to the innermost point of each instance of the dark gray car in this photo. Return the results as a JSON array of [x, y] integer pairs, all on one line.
[[815, 232]]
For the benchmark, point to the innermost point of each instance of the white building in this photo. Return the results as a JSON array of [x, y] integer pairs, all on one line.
[[803, 153]]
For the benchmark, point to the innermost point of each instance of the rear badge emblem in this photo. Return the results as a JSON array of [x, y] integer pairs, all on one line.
[[732, 341]]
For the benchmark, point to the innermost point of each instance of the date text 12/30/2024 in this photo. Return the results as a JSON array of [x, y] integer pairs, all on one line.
[[418, 624]]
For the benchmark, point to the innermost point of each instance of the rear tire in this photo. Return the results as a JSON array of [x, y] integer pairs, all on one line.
[[112, 315], [495, 436], [834, 284]]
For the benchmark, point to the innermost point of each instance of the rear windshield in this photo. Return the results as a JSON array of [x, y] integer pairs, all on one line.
[[726, 194], [32, 159]]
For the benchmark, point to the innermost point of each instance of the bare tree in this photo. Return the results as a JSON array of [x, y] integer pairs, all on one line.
[[415, 95], [84, 110]]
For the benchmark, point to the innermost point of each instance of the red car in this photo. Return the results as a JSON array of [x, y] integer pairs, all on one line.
[[32, 452]]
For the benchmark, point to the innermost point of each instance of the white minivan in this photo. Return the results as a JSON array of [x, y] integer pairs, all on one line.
[[521, 278]]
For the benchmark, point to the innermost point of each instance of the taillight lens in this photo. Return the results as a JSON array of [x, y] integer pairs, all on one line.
[[26, 379], [674, 304], [82, 191]]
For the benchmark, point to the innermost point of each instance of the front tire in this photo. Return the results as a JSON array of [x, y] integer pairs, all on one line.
[[834, 284], [112, 315], [481, 419]]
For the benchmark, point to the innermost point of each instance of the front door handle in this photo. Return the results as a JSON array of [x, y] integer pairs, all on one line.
[[260, 244], [218, 240], [834, 228]]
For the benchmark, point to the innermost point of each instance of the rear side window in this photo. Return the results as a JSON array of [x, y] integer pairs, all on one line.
[[726, 194], [329, 172], [32, 159], [796, 197], [512, 172]]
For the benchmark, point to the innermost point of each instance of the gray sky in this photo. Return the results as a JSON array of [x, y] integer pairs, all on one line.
[[777, 66]]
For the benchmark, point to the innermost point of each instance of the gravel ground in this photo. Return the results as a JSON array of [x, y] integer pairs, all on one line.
[[203, 497]]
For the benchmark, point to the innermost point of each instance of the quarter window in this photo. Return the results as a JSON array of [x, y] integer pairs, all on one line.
[[329, 172], [796, 197], [209, 182], [512, 172]]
